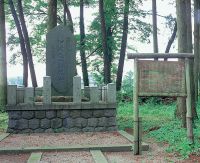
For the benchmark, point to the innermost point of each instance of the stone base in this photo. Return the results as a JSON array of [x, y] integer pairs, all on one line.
[[61, 120]]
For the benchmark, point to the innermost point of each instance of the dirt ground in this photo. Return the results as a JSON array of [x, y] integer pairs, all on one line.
[[68, 157], [14, 158], [63, 139], [156, 153]]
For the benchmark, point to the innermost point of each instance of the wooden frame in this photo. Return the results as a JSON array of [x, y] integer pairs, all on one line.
[[186, 57]]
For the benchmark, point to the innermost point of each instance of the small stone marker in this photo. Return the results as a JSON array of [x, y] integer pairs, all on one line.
[[94, 94], [12, 94], [104, 93], [20, 95], [77, 89], [46, 90], [29, 95], [61, 60], [111, 93]]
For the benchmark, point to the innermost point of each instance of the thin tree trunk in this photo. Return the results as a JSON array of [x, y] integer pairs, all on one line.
[[182, 48], [22, 43], [64, 11], [196, 45], [52, 14], [3, 68], [123, 47], [82, 45], [69, 16], [107, 66], [171, 40], [109, 45], [154, 17], [27, 44]]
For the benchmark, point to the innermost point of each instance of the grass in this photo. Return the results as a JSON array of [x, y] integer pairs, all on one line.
[[3, 121], [152, 115], [168, 129]]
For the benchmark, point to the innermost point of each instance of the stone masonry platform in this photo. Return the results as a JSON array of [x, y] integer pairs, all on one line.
[[61, 117]]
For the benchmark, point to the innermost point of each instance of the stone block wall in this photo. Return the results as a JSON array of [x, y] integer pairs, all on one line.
[[26, 115], [60, 120]]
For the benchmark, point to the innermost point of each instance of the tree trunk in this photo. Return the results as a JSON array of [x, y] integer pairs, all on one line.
[[27, 44], [109, 45], [52, 14], [3, 68], [22, 43], [171, 40], [107, 65], [123, 47], [196, 46], [182, 48], [82, 45], [69, 16], [154, 17], [64, 11]]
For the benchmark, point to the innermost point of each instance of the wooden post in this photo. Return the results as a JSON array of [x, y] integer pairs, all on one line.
[[136, 110], [140, 135], [188, 102]]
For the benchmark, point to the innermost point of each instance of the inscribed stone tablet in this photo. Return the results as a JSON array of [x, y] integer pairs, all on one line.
[[159, 78], [61, 60]]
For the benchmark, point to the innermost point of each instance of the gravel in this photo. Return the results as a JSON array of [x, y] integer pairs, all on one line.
[[14, 158], [67, 157], [156, 154], [63, 139]]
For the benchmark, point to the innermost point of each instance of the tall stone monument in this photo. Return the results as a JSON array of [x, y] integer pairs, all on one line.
[[61, 60]]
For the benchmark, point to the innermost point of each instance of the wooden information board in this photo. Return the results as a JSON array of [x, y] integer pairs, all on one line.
[[159, 78]]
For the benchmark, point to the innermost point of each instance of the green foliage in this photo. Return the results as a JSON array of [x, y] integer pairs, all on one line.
[[176, 137], [126, 93], [152, 115], [3, 121], [35, 13], [159, 123], [114, 10]]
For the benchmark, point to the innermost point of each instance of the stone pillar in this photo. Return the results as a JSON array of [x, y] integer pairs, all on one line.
[[104, 93], [77, 89], [12, 94], [46, 93], [94, 94], [111, 93], [20, 95], [29, 95]]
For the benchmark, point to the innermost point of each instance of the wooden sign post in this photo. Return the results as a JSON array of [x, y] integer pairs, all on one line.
[[163, 79]]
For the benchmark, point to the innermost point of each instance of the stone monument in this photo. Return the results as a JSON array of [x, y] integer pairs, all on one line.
[[61, 60]]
